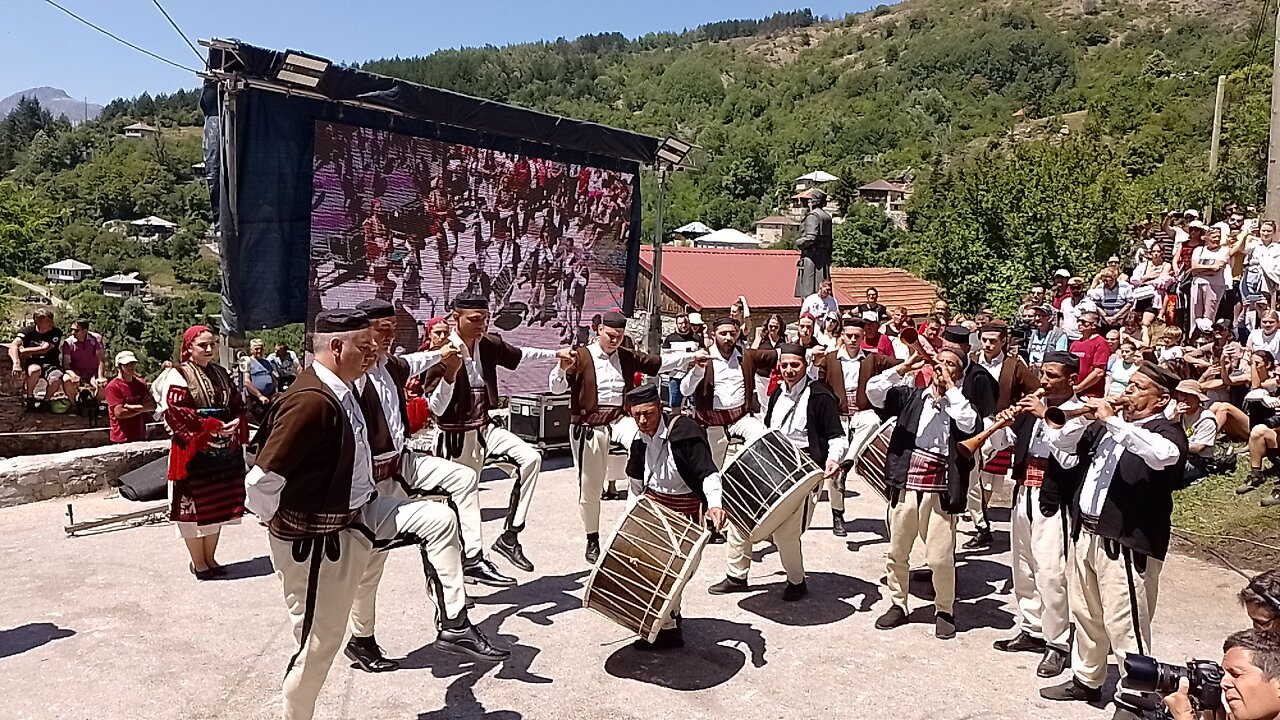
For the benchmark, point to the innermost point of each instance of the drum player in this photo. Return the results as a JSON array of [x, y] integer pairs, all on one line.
[[670, 463], [807, 413], [597, 377], [927, 478]]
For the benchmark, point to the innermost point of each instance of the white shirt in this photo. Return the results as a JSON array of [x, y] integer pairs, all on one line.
[[1202, 430], [1258, 340], [934, 433], [1070, 322], [1155, 450], [389, 395], [729, 391], [1039, 445], [609, 380], [993, 366], [474, 368], [1203, 256], [790, 417], [262, 489], [851, 370], [662, 476], [817, 306]]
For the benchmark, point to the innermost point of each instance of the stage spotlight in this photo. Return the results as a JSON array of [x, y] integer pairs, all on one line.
[[673, 151], [304, 70]]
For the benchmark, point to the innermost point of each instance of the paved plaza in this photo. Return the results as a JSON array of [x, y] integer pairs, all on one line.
[[112, 627]]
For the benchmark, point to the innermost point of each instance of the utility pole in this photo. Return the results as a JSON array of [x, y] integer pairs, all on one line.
[[1273, 147], [1217, 137], [655, 280]]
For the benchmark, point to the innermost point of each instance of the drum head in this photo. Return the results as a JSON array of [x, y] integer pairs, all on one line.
[[787, 504], [765, 483]]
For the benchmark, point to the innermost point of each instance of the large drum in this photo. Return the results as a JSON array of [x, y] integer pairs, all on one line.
[[649, 560], [873, 458], [765, 483]]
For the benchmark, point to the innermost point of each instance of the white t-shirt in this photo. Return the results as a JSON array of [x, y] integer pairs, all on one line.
[[817, 306], [1202, 430], [1070, 322], [1258, 340], [1204, 256]]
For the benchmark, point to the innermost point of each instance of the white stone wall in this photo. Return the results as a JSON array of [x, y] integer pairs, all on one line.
[[31, 478]]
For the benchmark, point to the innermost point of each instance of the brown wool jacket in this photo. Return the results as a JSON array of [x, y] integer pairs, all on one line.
[[583, 399], [752, 359], [873, 363]]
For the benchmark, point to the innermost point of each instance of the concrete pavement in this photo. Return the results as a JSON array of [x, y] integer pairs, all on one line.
[[112, 626]]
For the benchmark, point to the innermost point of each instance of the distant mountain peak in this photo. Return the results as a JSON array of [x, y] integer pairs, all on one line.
[[56, 101]]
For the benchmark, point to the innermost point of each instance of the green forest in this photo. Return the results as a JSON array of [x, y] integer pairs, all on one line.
[[1035, 136]]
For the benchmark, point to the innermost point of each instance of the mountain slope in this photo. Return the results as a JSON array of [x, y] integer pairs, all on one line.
[[56, 101]]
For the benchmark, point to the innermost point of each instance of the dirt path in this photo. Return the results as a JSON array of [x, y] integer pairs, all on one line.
[[38, 290]]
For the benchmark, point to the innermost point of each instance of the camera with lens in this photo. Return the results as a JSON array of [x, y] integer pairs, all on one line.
[[1019, 331], [1146, 674]]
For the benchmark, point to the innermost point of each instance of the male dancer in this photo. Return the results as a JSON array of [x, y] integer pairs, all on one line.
[[1046, 479], [808, 414], [846, 372], [597, 377], [722, 384], [460, 399], [400, 472], [983, 393], [1014, 381], [1120, 527], [670, 463], [926, 478], [313, 487]]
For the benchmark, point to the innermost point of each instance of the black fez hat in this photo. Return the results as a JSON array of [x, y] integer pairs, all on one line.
[[791, 349], [956, 334], [852, 322], [642, 395], [996, 327], [341, 320], [615, 320], [726, 320], [1164, 378], [470, 301], [377, 308], [1065, 359]]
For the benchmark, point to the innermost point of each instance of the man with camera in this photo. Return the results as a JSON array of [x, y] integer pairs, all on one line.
[[1249, 681]]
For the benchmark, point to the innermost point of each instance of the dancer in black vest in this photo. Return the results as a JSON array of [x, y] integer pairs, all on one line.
[[671, 464], [1120, 527], [927, 478]]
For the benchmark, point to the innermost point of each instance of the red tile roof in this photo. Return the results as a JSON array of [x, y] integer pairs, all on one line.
[[896, 287], [715, 277], [777, 220]]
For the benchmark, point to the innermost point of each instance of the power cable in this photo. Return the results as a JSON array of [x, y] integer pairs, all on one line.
[[190, 44], [122, 41], [1257, 42]]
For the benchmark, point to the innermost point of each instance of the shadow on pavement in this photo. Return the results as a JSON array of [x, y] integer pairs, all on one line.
[[16, 641], [824, 604], [872, 526], [712, 655], [241, 569]]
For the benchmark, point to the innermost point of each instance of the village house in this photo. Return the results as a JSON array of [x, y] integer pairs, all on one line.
[[67, 271]]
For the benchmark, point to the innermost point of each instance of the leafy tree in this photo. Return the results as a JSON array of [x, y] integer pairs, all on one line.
[[866, 238]]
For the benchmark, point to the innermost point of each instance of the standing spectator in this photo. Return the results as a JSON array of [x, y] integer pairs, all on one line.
[[285, 362], [768, 337], [1044, 337], [37, 353], [1201, 426], [1265, 256], [872, 309], [205, 411], [1210, 276], [1035, 298], [699, 328], [84, 362], [1113, 298], [1150, 281], [129, 401], [741, 312], [1061, 287], [684, 339], [875, 341], [901, 321], [805, 332], [1072, 306], [1267, 336], [821, 303], [258, 377], [1093, 351]]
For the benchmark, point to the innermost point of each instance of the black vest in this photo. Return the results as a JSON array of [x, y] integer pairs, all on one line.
[[1060, 484], [688, 445], [907, 404]]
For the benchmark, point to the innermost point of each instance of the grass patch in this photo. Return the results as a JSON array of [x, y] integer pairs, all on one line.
[[157, 271], [1212, 513]]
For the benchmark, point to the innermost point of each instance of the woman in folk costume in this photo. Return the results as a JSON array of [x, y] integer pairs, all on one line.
[[206, 414]]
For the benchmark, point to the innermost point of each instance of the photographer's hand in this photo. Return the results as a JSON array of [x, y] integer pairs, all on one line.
[[1180, 708]]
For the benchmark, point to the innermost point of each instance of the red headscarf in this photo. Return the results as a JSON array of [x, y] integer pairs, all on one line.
[[189, 337], [426, 335]]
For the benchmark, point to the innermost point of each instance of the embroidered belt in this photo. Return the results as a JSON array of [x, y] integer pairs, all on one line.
[[689, 505], [598, 417], [293, 525], [927, 471], [1036, 468], [386, 468], [720, 418]]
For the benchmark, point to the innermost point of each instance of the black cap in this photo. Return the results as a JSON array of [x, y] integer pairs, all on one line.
[[852, 322], [376, 308], [615, 320], [470, 301], [642, 395], [994, 327], [956, 334], [726, 320], [791, 349], [1164, 378], [1065, 359], [341, 320]]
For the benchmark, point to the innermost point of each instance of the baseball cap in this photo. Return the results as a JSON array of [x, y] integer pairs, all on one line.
[[1062, 272], [125, 357]]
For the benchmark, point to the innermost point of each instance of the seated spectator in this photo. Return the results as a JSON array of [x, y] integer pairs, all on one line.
[[1112, 298], [285, 363], [1113, 341], [84, 363], [129, 401], [1260, 403], [1121, 367], [1135, 331], [872, 309], [1263, 443], [1209, 347], [1169, 347], [258, 377], [1113, 265], [1267, 335], [36, 353], [821, 302], [1261, 600], [1201, 427]]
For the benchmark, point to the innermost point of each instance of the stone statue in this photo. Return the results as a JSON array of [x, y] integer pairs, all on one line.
[[814, 244]]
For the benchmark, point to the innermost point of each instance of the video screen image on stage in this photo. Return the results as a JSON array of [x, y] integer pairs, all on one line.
[[418, 221]]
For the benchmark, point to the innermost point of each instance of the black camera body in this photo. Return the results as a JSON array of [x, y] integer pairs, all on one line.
[[1146, 674]]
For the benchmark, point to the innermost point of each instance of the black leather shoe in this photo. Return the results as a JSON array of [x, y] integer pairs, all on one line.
[[837, 524], [1071, 690], [201, 574], [513, 553], [980, 541], [666, 640], [1053, 663], [469, 641], [366, 653], [482, 570], [593, 550], [893, 617], [729, 585], [1023, 642], [795, 592], [944, 626]]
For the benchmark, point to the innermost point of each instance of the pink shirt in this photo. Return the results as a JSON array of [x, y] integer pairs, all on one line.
[[883, 345], [83, 356]]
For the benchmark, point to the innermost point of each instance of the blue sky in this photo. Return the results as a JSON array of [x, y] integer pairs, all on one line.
[[39, 45]]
